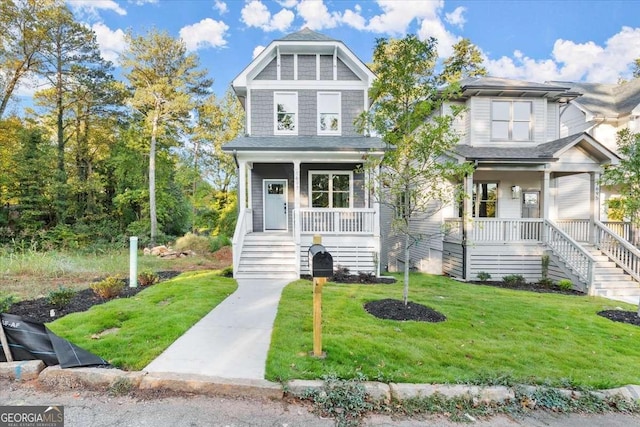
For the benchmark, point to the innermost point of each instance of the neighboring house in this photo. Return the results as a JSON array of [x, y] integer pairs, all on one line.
[[514, 213], [301, 160]]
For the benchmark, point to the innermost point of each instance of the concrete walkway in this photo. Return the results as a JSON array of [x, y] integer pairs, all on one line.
[[232, 340]]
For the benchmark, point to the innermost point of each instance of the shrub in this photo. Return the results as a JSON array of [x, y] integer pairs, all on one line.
[[6, 301], [341, 274], [483, 276], [565, 284], [109, 287], [227, 272], [218, 242], [190, 241], [546, 282], [60, 297], [514, 279], [148, 278]]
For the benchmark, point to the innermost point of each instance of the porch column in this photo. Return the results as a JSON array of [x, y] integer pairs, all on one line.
[[248, 177], [296, 211], [376, 213], [467, 225], [546, 202], [242, 185], [594, 205]]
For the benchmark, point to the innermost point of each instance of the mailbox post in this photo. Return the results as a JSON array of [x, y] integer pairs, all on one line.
[[321, 267]]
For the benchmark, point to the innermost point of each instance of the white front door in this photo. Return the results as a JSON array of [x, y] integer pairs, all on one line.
[[275, 204]]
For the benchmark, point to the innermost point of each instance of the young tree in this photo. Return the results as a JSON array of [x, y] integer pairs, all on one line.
[[166, 81], [418, 178]]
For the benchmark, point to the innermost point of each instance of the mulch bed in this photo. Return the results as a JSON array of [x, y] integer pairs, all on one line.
[[394, 309], [630, 317], [39, 310], [531, 287]]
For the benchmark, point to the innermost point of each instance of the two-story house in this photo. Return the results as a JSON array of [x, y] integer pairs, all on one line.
[[301, 161], [514, 212]]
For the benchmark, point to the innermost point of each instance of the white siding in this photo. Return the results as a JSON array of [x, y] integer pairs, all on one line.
[[572, 198], [460, 124], [357, 253], [572, 120], [553, 127], [605, 133], [503, 260]]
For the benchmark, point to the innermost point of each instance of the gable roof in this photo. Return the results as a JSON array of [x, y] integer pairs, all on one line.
[[307, 35], [497, 86], [607, 100], [538, 154]]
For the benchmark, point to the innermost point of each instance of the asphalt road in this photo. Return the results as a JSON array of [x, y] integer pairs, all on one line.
[[97, 409]]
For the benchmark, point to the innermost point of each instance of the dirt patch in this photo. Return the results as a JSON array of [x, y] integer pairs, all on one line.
[[394, 309]]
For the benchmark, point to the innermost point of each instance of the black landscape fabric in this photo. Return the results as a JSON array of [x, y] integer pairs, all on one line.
[[34, 341]]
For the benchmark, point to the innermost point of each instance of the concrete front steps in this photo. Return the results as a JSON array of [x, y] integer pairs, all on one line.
[[267, 256], [611, 281]]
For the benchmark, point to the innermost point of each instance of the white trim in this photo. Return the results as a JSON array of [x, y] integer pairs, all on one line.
[[288, 85], [277, 63], [330, 172], [248, 111], [335, 63], [511, 120], [295, 66], [276, 131], [317, 66], [318, 112], [264, 204]]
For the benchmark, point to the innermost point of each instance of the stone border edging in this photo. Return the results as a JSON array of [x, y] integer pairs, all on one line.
[[104, 378]]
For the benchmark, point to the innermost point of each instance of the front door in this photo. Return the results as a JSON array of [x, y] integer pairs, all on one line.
[[531, 204], [275, 204]]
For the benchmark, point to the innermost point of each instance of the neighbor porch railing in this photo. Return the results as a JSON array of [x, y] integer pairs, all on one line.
[[243, 227], [336, 221], [569, 251], [618, 249]]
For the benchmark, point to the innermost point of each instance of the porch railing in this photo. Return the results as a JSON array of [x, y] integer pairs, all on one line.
[[569, 251], [337, 221], [243, 227], [624, 254], [622, 229], [578, 229], [496, 230]]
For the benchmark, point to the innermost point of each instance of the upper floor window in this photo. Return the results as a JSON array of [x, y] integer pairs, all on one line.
[[329, 113], [511, 120], [331, 189], [286, 113]]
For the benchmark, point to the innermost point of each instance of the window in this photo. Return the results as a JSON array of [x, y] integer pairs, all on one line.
[[286, 113], [485, 199], [511, 120], [329, 113], [330, 189]]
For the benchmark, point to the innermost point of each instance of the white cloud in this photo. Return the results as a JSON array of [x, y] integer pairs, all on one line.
[[289, 4], [92, 7], [435, 28], [574, 61], [220, 6], [256, 14], [398, 14], [204, 33], [257, 51], [316, 15], [456, 18], [111, 43], [354, 18]]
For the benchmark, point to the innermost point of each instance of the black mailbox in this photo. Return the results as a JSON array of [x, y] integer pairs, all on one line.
[[320, 261]]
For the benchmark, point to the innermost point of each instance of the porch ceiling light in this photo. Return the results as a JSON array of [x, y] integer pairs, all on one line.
[[515, 192]]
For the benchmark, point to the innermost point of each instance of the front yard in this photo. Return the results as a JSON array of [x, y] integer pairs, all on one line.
[[491, 335]]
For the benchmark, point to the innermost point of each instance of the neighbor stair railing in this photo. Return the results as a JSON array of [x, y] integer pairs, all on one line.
[[624, 254], [569, 251]]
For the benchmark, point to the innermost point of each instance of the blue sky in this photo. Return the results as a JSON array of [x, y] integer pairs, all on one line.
[[536, 40]]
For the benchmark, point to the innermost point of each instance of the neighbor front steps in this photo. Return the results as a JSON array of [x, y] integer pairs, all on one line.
[[610, 280], [267, 256]]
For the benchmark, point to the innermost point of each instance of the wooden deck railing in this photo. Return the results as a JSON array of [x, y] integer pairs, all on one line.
[[618, 249], [336, 221]]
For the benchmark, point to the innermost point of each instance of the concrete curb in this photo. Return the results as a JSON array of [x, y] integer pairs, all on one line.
[[104, 379]]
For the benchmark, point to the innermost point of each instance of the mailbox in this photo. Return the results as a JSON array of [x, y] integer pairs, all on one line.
[[320, 261]]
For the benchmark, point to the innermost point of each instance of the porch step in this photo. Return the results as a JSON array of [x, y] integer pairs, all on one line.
[[267, 256], [609, 280]]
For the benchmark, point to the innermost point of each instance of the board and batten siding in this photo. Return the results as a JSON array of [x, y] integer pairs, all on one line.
[[262, 111], [307, 68]]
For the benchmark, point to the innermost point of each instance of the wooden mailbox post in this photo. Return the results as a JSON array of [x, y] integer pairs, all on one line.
[[321, 267]]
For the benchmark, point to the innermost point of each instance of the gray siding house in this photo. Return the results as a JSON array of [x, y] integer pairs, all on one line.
[[301, 160]]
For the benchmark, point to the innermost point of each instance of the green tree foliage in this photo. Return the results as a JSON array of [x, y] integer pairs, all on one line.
[[418, 178], [626, 175], [23, 30], [166, 82], [636, 68], [466, 61]]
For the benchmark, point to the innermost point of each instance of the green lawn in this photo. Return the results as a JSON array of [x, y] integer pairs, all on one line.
[[490, 333], [136, 330]]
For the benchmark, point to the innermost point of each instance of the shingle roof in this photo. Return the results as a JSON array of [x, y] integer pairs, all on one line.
[[305, 35], [498, 82], [539, 153], [607, 100], [305, 143]]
